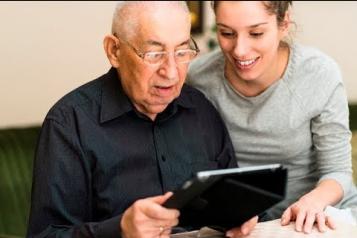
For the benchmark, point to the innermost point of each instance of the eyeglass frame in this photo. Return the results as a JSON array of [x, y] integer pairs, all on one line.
[[142, 54]]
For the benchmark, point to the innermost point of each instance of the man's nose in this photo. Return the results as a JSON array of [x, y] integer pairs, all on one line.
[[169, 67]]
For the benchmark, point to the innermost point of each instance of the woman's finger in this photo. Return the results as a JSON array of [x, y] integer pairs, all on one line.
[[300, 218], [286, 217], [321, 221], [309, 222], [330, 222]]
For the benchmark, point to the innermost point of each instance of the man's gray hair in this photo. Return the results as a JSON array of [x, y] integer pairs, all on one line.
[[125, 20]]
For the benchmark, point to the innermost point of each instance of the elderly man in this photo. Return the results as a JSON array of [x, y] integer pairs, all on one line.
[[111, 150]]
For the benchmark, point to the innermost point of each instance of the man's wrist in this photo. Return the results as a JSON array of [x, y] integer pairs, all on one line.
[[108, 228]]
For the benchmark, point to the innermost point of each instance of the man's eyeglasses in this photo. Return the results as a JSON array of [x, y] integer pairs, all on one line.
[[182, 56]]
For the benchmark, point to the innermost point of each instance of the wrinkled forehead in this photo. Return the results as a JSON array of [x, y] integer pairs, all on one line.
[[168, 24]]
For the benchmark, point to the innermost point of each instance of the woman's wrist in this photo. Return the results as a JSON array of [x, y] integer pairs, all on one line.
[[327, 192]]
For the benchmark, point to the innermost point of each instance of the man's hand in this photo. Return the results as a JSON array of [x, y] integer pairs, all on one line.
[[147, 218], [244, 229]]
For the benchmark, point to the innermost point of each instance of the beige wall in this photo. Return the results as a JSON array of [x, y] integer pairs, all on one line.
[[49, 48], [331, 27]]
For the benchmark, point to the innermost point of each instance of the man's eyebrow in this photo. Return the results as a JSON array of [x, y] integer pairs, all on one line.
[[186, 42], [154, 43], [251, 26], [157, 43]]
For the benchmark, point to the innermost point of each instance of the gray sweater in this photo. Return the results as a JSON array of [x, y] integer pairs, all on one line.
[[300, 121]]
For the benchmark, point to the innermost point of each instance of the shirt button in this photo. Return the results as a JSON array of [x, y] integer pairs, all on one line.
[[163, 158]]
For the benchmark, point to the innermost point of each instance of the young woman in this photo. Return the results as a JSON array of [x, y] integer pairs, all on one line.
[[282, 103]]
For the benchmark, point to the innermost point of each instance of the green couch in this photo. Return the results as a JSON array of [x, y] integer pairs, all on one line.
[[353, 127], [16, 156]]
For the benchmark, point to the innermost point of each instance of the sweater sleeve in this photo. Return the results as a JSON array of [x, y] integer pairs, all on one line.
[[331, 134]]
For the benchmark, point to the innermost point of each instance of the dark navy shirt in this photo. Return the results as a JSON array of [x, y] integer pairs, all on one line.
[[96, 155]]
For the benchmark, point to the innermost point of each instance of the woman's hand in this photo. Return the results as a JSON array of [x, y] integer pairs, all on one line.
[[309, 209], [147, 218], [306, 211]]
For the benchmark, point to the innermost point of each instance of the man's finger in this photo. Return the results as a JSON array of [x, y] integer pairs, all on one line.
[[167, 223], [248, 226], [243, 230], [153, 210], [161, 198]]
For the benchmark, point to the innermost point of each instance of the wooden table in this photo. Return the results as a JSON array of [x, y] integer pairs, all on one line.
[[273, 229]]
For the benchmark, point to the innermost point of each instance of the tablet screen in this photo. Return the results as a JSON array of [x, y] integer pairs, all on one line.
[[226, 198]]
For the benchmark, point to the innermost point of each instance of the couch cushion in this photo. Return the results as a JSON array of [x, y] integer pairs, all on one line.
[[17, 148], [354, 155]]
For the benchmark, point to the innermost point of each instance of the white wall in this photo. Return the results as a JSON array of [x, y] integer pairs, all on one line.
[[49, 48]]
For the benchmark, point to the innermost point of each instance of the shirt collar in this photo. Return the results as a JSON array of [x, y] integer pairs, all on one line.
[[185, 99], [114, 101]]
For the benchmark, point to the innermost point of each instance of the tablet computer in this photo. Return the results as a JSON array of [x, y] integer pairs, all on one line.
[[226, 198]]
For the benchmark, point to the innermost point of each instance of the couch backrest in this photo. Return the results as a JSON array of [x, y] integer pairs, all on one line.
[[17, 147]]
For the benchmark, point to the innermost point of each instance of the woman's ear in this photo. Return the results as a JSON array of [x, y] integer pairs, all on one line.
[[285, 25], [112, 49]]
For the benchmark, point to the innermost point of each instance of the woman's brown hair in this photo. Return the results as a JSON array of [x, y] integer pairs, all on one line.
[[277, 8]]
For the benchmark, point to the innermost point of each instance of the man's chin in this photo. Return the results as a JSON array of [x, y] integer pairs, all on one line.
[[157, 108]]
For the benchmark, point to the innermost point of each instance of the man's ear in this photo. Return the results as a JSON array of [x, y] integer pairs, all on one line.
[[112, 49]]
